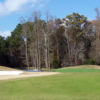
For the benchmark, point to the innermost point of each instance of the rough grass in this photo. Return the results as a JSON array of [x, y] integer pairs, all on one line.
[[65, 86]]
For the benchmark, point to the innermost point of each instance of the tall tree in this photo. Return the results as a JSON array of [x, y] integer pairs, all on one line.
[[75, 28]]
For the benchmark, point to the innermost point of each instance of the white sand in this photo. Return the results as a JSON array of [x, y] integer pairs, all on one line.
[[27, 74], [10, 72]]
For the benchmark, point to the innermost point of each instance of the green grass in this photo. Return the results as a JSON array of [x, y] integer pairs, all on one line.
[[66, 86]]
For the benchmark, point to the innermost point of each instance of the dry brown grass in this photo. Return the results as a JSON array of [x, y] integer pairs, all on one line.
[[85, 67], [4, 68]]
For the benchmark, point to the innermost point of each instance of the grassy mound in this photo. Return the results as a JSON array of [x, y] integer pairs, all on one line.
[[83, 68]]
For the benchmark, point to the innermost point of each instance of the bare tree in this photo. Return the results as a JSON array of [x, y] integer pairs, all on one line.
[[37, 30], [96, 24], [25, 33]]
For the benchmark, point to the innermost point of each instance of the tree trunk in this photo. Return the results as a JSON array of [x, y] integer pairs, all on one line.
[[26, 54]]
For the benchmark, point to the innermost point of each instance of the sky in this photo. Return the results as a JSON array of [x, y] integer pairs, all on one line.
[[12, 10]]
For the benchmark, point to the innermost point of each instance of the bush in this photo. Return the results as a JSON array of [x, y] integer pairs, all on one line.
[[56, 62], [89, 62]]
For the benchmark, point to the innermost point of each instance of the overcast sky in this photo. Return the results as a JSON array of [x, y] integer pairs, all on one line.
[[12, 10]]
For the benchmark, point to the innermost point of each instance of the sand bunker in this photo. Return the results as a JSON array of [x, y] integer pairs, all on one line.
[[10, 72]]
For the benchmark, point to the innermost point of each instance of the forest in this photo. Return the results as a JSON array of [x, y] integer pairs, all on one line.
[[52, 42]]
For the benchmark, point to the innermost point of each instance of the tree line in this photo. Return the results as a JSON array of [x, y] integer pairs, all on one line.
[[52, 43]]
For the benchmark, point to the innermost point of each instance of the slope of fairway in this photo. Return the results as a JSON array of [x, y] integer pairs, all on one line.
[[77, 70], [65, 86], [83, 68]]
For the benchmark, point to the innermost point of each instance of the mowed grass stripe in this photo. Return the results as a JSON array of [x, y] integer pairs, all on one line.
[[77, 70]]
